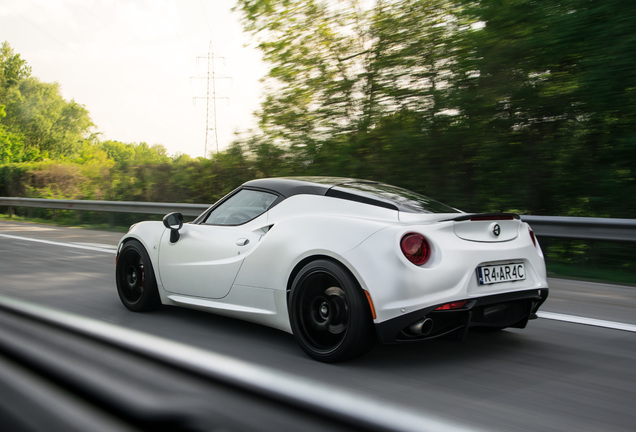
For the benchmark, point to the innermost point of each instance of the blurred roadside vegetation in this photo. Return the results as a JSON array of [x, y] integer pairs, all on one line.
[[487, 105]]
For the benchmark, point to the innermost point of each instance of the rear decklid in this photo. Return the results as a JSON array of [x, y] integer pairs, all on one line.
[[487, 227]]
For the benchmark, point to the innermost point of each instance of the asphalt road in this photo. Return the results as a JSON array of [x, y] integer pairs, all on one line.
[[552, 376]]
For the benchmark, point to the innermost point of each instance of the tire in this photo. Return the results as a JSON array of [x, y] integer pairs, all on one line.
[[136, 283], [329, 314]]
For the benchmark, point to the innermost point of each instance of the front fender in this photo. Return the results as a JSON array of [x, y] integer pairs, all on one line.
[[149, 235]]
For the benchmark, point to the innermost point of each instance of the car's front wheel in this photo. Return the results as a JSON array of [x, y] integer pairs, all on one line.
[[136, 283], [329, 314]]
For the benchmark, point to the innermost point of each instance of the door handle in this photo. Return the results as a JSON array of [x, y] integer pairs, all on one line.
[[242, 241]]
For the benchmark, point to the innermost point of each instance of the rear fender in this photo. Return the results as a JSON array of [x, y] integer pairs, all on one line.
[[295, 240]]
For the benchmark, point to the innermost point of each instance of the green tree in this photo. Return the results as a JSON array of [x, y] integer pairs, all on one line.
[[120, 152], [48, 123], [11, 145], [37, 111], [13, 69], [343, 75], [491, 105], [314, 48], [548, 88]]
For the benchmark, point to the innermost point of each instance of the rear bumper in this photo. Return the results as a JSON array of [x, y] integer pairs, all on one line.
[[512, 309]]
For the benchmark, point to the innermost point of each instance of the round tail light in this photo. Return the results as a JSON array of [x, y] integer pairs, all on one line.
[[415, 248]]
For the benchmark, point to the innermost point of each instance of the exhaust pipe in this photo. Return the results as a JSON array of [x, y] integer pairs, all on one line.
[[422, 327]]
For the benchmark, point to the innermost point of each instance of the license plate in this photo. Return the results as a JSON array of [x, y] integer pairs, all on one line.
[[501, 273]]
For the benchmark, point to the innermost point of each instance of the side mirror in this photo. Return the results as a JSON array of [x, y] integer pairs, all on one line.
[[174, 222]]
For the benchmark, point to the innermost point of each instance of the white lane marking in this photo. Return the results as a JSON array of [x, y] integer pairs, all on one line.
[[588, 321], [71, 245], [545, 315]]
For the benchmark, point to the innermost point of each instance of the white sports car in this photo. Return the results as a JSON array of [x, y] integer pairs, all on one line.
[[340, 263]]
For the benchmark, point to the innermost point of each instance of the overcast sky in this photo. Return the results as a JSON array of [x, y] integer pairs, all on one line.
[[133, 65]]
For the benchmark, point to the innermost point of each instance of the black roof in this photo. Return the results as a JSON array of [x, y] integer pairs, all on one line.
[[364, 191], [289, 186]]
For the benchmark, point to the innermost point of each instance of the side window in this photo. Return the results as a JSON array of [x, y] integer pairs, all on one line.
[[241, 207]]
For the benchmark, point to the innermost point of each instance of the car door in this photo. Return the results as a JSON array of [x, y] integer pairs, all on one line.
[[206, 258]]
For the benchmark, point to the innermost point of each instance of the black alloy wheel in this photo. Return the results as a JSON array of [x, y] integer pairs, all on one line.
[[136, 283], [329, 313]]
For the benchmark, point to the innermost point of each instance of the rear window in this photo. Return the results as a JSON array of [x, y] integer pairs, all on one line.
[[384, 195]]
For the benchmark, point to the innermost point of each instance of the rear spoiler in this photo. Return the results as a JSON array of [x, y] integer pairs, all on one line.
[[484, 217]]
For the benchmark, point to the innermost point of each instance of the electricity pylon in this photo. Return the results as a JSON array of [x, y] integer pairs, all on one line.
[[212, 97]]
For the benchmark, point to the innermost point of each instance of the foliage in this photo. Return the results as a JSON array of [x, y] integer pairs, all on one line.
[[488, 105], [13, 69], [49, 124], [11, 144], [35, 116]]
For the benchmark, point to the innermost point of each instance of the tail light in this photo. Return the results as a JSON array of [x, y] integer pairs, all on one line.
[[532, 236], [415, 248]]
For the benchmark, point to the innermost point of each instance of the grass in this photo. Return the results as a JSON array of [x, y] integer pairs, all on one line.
[[591, 274], [65, 223], [592, 260]]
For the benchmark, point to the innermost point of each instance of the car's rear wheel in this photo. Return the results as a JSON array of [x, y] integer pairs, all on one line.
[[136, 283], [329, 313]]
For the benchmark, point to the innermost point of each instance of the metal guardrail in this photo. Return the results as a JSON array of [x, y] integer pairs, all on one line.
[[583, 227], [105, 206], [543, 226]]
